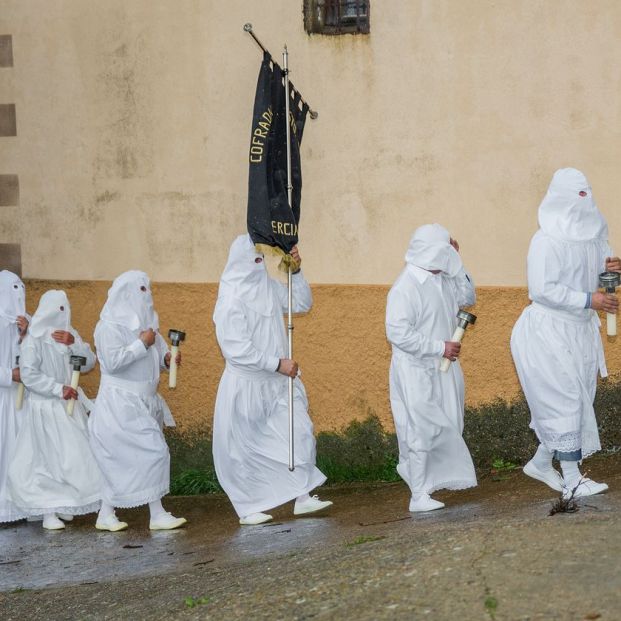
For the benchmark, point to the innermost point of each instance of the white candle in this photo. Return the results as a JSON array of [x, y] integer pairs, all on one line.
[[19, 397], [75, 380], [457, 336], [611, 324], [175, 336], [172, 376], [610, 281]]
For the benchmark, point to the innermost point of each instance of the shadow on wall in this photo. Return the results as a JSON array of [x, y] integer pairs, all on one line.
[[496, 433]]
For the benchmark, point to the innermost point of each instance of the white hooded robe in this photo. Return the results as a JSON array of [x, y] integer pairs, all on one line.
[[427, 404], [52, 469], [250, 433], [127, 420], [12, 305], [556, 343]]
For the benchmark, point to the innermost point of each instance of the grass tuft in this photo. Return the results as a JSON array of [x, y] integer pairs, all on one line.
[[496, 433], [362, 451], [491, 605], [192, 602], [195, 481]]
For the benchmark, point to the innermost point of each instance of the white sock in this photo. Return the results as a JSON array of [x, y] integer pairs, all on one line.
[[302, 498], [106, 511], [543, 458], [571, 474], [156, 508]]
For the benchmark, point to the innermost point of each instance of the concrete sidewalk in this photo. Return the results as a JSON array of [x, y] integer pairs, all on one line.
[[493, 553]]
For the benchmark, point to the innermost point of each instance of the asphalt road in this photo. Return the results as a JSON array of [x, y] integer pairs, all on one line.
[[493, 553]]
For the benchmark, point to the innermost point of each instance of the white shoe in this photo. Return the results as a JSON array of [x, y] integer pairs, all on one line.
[[550, 477], [585, 487], [312, 505], [51, 522], [166, 521], [65, 517], [255, 518], [425, 503], [110, 523]]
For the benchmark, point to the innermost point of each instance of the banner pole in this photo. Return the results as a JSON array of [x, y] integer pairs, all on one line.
[[285, 66]]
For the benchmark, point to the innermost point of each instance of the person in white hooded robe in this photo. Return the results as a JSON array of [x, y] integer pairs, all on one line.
[[52, 471], [556, 342], [427, 404], [250, 432], [126, 424], [13, 328]]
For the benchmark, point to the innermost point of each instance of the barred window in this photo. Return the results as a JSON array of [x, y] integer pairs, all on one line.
[[334, 17]]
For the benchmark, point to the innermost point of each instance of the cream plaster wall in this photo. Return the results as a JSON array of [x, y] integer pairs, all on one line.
[[133, 122]]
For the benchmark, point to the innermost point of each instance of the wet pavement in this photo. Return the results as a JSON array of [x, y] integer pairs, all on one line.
[[493, 553]]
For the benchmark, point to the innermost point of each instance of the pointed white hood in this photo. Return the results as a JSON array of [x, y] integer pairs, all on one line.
[[566, 215], [12, 296], [53, 313], [129, 305], [430, 249], [246, 278]]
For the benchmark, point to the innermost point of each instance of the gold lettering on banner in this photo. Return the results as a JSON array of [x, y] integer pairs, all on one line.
[[284, 228], [259, 136]]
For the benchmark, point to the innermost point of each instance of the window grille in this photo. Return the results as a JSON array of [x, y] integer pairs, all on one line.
[[334, 17]]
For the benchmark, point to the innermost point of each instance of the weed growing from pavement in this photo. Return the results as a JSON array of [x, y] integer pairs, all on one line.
[[364, 539], [491, 605], [567, 505], [191, 602]]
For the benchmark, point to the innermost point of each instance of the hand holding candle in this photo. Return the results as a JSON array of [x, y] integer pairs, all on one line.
[[19, 398], [77, 362], [463, 320], [175, 336], [610, 281]]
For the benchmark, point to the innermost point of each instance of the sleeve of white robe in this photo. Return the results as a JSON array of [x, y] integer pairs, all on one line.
[[33, 378], [400, 322], [235, 340], [162, 350], [80, 348], [300, 291], [463, 285], [113, 350], [544, 271]]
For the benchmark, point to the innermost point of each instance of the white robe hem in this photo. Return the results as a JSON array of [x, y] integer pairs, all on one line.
[[138, 499], [259, 508], [69, 509], [453, 485], [12, 515]]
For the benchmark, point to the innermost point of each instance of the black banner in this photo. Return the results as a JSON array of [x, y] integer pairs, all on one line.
[[272, 222]]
